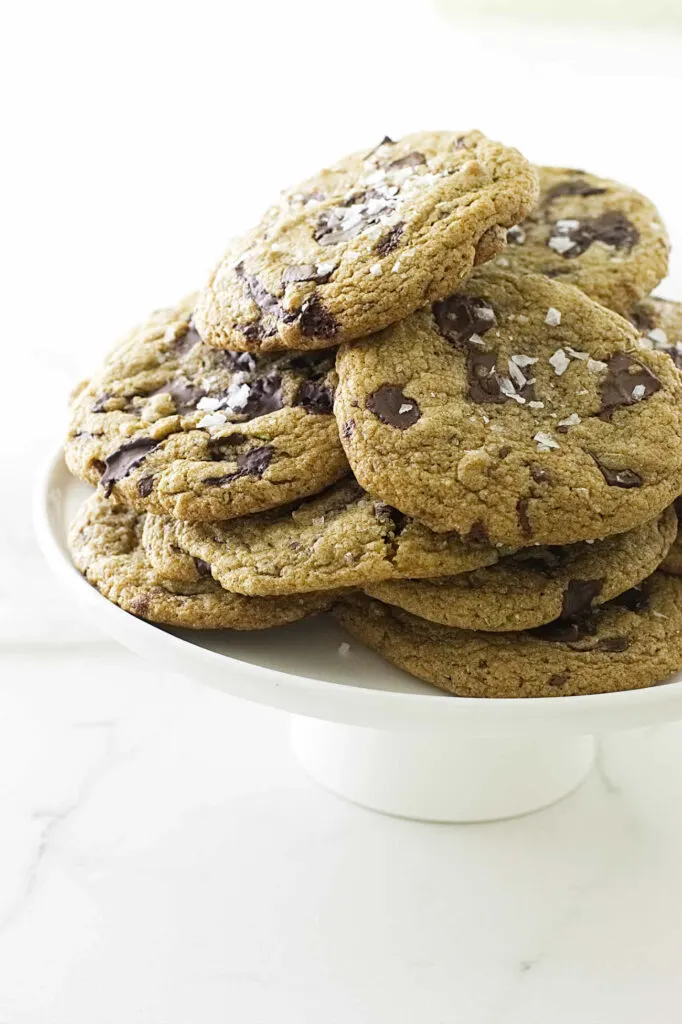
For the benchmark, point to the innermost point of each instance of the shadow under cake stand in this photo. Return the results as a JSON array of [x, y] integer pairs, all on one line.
[[364, 729]]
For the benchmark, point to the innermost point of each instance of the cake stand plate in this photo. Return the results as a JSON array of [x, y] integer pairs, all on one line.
[[364, 729]]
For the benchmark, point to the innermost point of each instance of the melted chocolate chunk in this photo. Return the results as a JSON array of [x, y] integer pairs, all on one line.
[[574, 187], [627, 383], [140, 605], [184, 344], [203, 568], [612, 229], [635, 600], [219, 446], [578, 597], [560, 679], [522, 517], [459, 317], [261, 296], [251, 463], [543, 559], [265, 395], [413, 159], [618, 477], [243, 361], [128, 457], [566, 631], [315, 397], [184, 394], [613, 644], [316, 320], [347, 429], [484, 384], [478, 534], [308, 272], [388, 242], [390, 404], [145, 486], [540, 475]]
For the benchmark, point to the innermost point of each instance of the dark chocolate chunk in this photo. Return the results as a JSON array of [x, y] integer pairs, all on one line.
[[347, 429], [459, 317], [560, 679], [540, 475], [308, 272], [260, 295], [628, 382], [613, 644], [484, 384], [128, 457], [635, 600], [184, 394], [541, 559], [618, 477], [578, 596], [145, 486], [504, 451], [243, 361], [478, 534], [265, 395], [315, 397], [251, 463], [203, 568], [611, 228], [413, 159], [522, 517], [388, 242], [566, 631], [459, 143], [574, 187], [257, 331], [316, 320], [186, 342], [390, 404]]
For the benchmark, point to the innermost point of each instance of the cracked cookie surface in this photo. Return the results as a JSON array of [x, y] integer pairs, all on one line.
[[172, 426], [105, 541], [516, 411], [538, 584], [342, 538], [603, 237], [633, 641], [364, 243]]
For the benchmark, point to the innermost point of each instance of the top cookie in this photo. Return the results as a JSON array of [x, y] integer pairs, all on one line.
[[603, 237], [517, 411], [364, 243], [172, 426]]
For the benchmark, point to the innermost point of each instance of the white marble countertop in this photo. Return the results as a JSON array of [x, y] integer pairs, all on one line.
[[163, 858]]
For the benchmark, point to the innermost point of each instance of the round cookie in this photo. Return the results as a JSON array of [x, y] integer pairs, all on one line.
[[172, 426], [633, 641], [105, 541], [538, 584], [342, 538], [603, 237], [364, 243], [517, 412]]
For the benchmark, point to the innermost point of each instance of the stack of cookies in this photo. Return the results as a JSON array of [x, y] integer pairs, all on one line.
[[429, 393]]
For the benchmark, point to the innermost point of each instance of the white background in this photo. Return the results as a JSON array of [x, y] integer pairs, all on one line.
[[162, 859]]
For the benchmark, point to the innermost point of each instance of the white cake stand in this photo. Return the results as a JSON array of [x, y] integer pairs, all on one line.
[[362, 728]]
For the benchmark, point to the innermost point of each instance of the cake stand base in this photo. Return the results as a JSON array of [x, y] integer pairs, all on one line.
[[435, 777]]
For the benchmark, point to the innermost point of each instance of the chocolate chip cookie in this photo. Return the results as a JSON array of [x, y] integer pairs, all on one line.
[[365, 242], [172, 426], [603, 237], [660, 323], [537, 584], [516, 411], [635, 640], [105, 541], [343, 538]]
